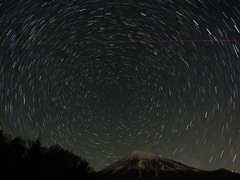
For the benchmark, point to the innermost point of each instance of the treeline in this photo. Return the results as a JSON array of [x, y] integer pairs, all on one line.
[[31, 160]]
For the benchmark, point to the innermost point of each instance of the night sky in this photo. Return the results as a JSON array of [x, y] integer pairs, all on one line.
[[105, 78]]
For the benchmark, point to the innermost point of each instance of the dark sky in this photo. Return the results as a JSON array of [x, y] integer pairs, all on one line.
[[105, 78]]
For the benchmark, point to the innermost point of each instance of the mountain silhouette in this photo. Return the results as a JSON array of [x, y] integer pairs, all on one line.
[[146, 166]]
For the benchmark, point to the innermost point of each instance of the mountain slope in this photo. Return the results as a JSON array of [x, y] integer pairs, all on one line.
[[144, 165], [145, 161]]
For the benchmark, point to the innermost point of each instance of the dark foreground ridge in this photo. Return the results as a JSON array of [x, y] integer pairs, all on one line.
[[146, 166], [28, 160]]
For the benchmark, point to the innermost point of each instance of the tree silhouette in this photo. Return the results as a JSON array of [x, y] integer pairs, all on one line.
[[4, 152], [31, 160], [17, 151], [18, 148], [64, 163], [4, 139]]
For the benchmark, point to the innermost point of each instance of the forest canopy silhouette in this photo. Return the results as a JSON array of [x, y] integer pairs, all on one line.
[[31, 160]]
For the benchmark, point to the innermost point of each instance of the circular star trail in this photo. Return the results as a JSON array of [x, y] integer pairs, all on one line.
[[104, 78]]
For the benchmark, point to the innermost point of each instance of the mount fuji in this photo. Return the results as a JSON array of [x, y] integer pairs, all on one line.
[[146, 166]]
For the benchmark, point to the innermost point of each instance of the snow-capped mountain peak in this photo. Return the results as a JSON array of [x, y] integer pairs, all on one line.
[[145, 162], [142, 155]]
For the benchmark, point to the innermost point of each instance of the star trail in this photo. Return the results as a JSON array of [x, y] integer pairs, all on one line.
[[104, 78]]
